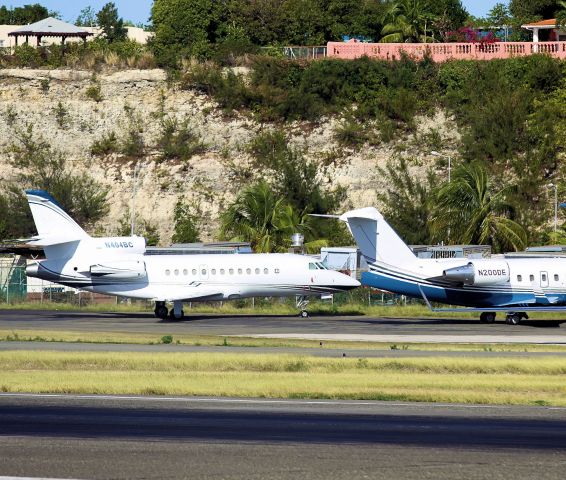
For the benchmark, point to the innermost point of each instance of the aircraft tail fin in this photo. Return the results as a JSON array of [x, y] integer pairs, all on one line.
[[375, 237], [54, 226]]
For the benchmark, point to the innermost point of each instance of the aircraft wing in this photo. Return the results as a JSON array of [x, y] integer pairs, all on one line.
[[199, 295]]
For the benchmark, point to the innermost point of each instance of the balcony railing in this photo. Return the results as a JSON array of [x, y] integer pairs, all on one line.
[[441, 52]]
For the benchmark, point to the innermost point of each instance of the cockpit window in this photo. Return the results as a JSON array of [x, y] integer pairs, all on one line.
[[316, 266], [312, 266]]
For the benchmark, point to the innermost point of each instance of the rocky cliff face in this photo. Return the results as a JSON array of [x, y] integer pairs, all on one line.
[[32, 96]]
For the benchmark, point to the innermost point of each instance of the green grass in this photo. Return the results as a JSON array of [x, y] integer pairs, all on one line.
[[463, 380]]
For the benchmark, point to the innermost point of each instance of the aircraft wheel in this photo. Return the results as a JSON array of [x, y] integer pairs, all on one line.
[[487, 317], [304, 314], [161, 311], [514, 319], [173, 317]]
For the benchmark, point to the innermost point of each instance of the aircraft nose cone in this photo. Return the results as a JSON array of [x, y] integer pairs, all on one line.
[[347, 282], [32, 270]]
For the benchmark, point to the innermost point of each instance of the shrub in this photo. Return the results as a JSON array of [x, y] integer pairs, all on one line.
[[178, 141], [350, 133], [94, 92], [105, 145]]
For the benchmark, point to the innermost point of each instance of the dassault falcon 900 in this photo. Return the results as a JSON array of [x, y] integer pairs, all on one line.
[[119, 266], [506, 283]]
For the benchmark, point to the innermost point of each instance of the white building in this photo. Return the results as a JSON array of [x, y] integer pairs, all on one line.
[[53, 26]]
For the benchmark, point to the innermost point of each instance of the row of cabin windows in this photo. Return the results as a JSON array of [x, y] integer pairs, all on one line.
[[222, 271], [542, 277]]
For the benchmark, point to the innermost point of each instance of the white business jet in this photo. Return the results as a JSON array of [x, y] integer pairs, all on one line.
[[506, 283], [119, 266]]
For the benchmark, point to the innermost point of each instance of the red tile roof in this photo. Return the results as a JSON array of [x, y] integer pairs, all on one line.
[[543, 23]]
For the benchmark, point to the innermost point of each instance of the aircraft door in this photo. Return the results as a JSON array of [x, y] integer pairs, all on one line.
[[203, 272], [543, 279]]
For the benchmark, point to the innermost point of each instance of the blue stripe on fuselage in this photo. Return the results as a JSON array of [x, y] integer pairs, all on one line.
[[452, 296]]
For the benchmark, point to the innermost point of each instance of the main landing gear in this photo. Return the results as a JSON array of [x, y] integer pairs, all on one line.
[[176, 313], [487, 317], [516, 318]]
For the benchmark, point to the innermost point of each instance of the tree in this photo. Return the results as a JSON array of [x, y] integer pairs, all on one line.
[[499, 15], [530, 10], [37, 165], [183, 28], [112, 26], [408, 21], [259, 217], [450, 15], [185, 230], [23, 15], [561, 14], [406, 200], [87, 18], [469, 210]]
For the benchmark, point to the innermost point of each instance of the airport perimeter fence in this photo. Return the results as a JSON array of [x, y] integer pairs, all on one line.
[[17, 288]]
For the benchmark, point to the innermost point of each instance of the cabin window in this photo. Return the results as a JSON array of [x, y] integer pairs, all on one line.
[[239, 271], [248, 271], [519, 278], [532, 278], [231, 271], [266, 271], [556, 277], [543, 277], [257, 270], [276, 270], [203, 271], [167, 272], [213, 271], [194, 271], [176, 272], [185, 272], [222, 271]]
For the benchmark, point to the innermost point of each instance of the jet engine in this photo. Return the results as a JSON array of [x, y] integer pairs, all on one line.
[[479, 272], [119, 270]]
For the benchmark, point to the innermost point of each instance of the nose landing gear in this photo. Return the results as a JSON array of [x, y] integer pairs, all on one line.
[[302, 303]]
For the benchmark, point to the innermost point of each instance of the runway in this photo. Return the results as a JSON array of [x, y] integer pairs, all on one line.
[[136, 437], [354, 328]]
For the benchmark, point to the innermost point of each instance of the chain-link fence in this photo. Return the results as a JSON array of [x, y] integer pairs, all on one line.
[[17, 288]]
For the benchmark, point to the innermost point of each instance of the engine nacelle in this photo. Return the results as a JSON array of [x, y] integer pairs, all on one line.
[[119, 270], [479, 272]]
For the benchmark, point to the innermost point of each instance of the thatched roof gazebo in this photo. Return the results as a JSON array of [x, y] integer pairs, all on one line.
[[50, 27]]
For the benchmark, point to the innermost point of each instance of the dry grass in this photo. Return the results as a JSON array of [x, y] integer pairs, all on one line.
[[22, 335], [465, 380]]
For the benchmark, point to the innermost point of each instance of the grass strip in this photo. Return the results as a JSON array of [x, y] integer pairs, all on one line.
[[316, 308], [22, 335], [439, 379]]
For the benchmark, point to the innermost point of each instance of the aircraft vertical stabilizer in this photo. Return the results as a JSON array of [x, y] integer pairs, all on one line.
[[375, 238], [58, 233]]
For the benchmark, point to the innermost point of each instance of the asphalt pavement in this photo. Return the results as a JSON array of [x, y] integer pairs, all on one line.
[[139, 437], [330, 327]]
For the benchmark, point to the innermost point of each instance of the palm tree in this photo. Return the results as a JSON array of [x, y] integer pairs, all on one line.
[[407, 21], [258, 217], [266, 221], [473, 212]]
